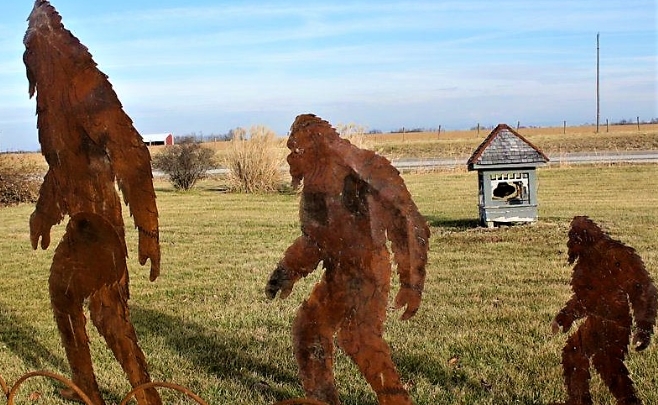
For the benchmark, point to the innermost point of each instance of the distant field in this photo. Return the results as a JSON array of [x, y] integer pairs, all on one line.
[[454, 144], [458, 144]]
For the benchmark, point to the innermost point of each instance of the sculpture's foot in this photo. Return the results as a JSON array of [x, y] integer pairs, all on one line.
[[570, 402], [71, 395], [630, 401]]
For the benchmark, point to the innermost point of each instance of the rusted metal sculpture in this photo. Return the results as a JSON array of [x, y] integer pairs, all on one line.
[[89, 144], [352, 201], [609, 280]]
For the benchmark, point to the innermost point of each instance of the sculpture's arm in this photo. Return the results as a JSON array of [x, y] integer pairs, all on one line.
[[49, 211], [409, 236], [299, 260], [405, 226], [109, 126], [572, 311], [133, 171], [410, 248], [643, 298]]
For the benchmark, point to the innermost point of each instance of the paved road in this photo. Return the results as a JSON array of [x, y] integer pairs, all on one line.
[[650, 156]]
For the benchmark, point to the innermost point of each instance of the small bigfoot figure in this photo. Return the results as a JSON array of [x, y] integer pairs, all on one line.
[[609, 280], [352, 202], [89, 143]]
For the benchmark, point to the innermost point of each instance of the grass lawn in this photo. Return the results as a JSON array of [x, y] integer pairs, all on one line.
[[482, 335]]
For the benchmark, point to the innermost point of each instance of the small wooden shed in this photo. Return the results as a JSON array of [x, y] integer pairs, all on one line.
[[507, 179]]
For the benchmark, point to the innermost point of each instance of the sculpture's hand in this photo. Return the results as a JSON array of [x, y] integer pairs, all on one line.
[[408, 297], [39, 229], [641, 339], [280, 280], [149, 248], [555, 327], [561, 322]]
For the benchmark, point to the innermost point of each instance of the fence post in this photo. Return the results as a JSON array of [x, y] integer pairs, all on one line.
[[638, 123], [564, 127]]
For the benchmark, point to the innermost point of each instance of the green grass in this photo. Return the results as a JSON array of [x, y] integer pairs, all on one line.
[[206, 324]]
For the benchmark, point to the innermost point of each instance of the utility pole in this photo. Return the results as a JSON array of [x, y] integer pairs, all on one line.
[[598, 94]]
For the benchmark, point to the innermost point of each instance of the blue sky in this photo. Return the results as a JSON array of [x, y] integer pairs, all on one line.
[[200, 66]]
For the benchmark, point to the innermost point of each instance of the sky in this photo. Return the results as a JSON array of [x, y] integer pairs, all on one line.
[[204, 67]]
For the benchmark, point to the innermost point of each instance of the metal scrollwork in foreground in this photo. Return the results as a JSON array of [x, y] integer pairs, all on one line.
[[10, 392], [301, 401]]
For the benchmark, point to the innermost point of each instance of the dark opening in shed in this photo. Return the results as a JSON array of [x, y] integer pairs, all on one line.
[[507, 180]]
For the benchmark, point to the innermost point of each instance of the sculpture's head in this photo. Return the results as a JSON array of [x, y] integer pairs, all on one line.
[[583, 234], [45, 33], [309, 141]]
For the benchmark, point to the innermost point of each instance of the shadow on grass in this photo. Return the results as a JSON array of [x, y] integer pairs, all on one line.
[[461, 224], [231, 358], [19, 337], [448, 378], [218, 353]]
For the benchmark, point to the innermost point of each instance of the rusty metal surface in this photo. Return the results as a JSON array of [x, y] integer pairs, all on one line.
[[91, 147], [353, 202], [612, 292], [10, 392]]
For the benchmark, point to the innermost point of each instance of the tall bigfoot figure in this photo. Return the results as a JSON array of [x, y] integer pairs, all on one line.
[[352, 202], [88, 142], [609, 279]]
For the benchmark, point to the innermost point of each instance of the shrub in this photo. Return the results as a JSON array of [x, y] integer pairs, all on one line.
[[20, 180], [354, 133], [255, 163], [185, 163]]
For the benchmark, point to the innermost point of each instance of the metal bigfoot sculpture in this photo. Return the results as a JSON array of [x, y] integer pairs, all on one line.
[[609, 280], [352, 202], [88, 142]]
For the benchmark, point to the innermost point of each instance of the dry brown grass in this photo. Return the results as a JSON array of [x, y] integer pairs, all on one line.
[[255, 163], [449, 144], [19, 180], [578, 131]]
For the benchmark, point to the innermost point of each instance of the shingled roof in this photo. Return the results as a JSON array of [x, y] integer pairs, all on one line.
[[504, 147]]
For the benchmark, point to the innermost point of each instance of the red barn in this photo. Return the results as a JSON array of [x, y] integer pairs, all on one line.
[[158, 139]]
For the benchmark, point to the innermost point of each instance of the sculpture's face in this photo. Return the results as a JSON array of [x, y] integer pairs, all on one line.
[[574, 245], [583, 234], [302, 157]]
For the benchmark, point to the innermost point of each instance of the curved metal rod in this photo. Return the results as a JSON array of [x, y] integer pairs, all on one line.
[[301, 401], [5, 388], [154, 384], [12, 393]]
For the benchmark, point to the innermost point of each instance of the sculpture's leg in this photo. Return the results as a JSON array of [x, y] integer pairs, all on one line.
[[361, 337], [575, 365], [70, 319], [109, 313], [313, 331], [609, 363]]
